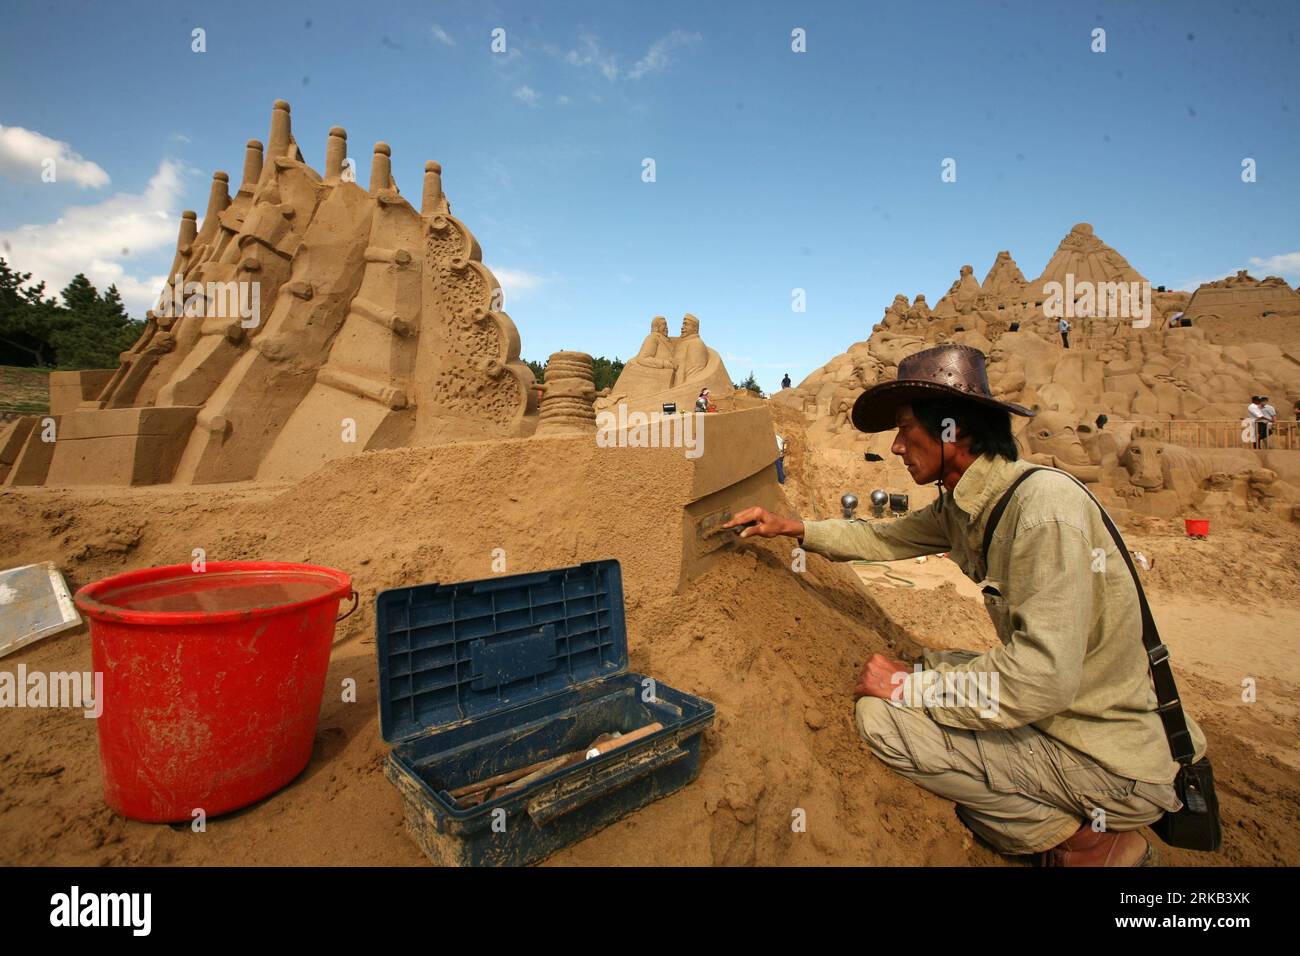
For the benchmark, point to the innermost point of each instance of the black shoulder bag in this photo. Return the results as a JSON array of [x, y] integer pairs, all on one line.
[[1196, 825]]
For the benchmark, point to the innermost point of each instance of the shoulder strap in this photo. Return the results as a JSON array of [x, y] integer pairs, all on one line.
[[996, 514], [1168, 704]]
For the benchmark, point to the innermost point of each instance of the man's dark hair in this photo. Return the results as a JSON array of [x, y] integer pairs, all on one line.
[[988, 428]]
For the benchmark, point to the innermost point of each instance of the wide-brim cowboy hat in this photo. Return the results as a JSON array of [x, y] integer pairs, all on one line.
[[945, 371]]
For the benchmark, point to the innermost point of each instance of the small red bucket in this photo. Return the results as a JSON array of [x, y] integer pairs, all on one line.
[[212, 681], [1197, 527]]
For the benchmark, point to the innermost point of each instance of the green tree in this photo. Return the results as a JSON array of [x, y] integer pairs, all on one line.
[[750, 383], [26, 321], [95, 329], [604, 372]]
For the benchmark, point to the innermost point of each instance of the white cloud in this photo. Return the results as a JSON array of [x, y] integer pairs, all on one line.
[[24, 153], [563, 100], [517, 283], [98, 239], [590, 55], [441, 36], [1286, 264], [528, 95], [656, 58]]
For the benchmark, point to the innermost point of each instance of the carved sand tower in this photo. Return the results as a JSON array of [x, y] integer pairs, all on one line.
[[306, 319], [568, 397]]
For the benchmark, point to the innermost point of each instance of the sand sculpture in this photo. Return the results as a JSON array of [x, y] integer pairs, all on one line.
[[1117, 366], [669, 369], [1165, 479], [568, 396], [1053, 440], [1242, 296], [306, 319]]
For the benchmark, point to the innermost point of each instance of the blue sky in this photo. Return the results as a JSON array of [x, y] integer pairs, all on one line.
[[775, 170]]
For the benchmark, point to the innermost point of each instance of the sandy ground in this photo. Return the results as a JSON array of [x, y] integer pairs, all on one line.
[[776, 651]]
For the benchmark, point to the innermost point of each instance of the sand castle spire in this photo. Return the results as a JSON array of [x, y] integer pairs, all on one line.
[[381, 168], [218, 196], [336, 151], [277, 144], [433, 202], [189, 229], [252, 166]]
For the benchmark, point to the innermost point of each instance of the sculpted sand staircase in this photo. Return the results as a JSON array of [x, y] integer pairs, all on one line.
[[306, 320]]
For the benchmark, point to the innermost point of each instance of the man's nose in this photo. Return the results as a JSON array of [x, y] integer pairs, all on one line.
[[898, 448]]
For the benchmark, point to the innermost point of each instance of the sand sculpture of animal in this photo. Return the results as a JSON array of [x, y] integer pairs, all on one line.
[[1153, 464], [1053, 440]]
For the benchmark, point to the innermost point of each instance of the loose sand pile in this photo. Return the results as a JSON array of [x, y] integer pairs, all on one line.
[[778, 652]]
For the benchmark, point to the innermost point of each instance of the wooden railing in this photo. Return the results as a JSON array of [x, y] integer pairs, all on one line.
[[1218, 433]]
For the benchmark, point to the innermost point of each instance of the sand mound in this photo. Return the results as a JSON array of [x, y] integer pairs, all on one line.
[[776, 650]]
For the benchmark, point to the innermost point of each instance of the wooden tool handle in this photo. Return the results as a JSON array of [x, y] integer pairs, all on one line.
[[508, 776], [630, 737], [473, 794]]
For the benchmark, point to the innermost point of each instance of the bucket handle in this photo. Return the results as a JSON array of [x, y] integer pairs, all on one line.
[[356, 602]]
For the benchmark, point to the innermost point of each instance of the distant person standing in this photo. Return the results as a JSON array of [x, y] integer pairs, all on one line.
[[1270, 417], [702, 403], [780, 459], [1063, 327], [1256, 418], [785, 382]]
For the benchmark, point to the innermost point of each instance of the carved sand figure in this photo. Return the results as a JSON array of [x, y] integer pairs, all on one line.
[[657, 351], [1053, 440], [1006, 371], [646, 384], [1004, 283], [965, 292], [1101, 445], [691, 353], [1153, 464]]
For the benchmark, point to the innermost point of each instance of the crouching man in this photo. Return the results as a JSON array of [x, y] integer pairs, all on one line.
[[1066, 756]]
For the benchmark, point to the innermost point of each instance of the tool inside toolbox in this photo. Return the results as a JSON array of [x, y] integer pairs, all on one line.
[[512, 760]]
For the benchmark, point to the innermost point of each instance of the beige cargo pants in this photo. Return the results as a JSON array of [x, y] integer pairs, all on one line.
[[1020, 790]]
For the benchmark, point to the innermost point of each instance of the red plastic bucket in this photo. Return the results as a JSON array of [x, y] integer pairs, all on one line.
[[212, 681], [1197, 527]]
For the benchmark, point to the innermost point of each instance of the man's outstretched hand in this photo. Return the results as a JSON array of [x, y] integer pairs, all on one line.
[[765, 524], [877, 677]]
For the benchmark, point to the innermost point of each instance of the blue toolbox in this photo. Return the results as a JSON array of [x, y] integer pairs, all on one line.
[[517, 727]]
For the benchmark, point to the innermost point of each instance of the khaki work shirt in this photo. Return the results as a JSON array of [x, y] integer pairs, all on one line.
[[1064, 606]]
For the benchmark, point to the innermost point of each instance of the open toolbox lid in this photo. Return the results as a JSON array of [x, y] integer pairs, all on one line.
[[455, 652]]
